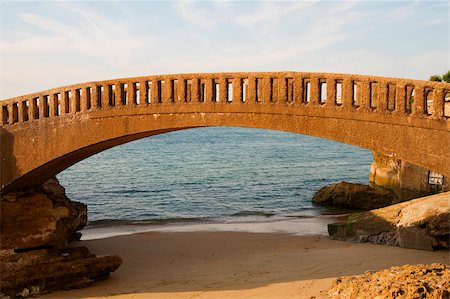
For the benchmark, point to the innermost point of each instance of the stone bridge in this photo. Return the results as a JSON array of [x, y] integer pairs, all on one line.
[[46, 132]]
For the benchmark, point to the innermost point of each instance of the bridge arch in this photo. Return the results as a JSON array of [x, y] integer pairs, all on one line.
[[44, 133]]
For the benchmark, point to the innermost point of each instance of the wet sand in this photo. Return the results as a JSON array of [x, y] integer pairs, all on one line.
[[235, 265]]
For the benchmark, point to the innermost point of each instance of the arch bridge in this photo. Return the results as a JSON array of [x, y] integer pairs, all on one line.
[[46, 132]]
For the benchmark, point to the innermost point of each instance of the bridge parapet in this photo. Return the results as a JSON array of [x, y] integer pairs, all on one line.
[[355, 93], [44, 133]]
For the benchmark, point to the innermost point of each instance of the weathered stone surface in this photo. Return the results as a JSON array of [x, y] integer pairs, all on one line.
[[36, 228], [356, 196], [421, 223], [40, 271], [40, 217], [406, 179], [91, 122], [406, 282]]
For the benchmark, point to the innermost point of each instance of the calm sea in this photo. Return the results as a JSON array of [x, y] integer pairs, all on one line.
[[218, 174]]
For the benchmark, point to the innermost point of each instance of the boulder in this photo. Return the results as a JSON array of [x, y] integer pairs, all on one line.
[[355, 196], [37, 225], [421, 223], [36, 272], [408, 281], [34, 219]]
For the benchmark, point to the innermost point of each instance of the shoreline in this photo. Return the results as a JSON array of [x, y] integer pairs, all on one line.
[[220, 264], [296, 225]]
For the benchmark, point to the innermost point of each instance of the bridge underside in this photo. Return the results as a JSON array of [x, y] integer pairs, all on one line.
[[42, 149]]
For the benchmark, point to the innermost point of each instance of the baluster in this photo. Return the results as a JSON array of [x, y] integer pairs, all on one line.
[[131, 92], [382, 97], [182, 85], [223, 82], [95, 97], [237, 90], [419, 101], [42, 106], [438, 103], [331, 92], [106, 96], [84, 99], [170, 90], [266, 90], [11, 116], [364, 100], [251, 91], [282, 89], [195, 90], [314, 93], [347, 93], [53, 105], [298, 90], [119, 94], [23, 111], [143, 92], [64, 102], [209, 86], [155, 92], [34, 108], [400, 99]]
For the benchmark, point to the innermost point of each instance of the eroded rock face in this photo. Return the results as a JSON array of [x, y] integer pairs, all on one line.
[[356, 196], [408, 281], [36, 228], [39, 218], [40, 271], [421, 223]]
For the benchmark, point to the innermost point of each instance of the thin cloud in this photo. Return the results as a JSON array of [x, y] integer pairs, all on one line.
[[93, 36], [271, 12]]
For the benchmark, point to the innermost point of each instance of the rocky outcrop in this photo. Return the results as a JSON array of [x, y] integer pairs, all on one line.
[[421, 223], [39, 271], [36, 228], [40, 217], [408, 281], [355, 196]]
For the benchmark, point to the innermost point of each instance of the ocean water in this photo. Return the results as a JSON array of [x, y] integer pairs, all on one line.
[[216, 175]]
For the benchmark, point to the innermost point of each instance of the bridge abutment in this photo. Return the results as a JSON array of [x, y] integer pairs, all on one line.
[[408, 180]]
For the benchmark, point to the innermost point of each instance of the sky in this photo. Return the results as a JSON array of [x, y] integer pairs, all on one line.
[[50, 44]]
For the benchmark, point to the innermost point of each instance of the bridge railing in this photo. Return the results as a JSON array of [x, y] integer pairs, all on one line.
[[362, 94]]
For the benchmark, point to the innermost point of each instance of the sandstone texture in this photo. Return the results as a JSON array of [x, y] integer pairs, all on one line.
[[40, 217], [71, 123], [37, 226], [421, 223], [406, 179], [356, 196], [404, 282]]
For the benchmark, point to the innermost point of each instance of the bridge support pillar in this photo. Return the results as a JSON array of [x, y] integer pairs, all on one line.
[[406, 179]]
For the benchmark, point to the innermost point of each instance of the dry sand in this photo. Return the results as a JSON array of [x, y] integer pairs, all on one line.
[[236, 265]]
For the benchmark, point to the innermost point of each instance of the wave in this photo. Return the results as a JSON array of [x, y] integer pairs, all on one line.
[[253, 213], [157, 221]]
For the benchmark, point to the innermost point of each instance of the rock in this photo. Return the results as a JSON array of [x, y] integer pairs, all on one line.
[[40, 217], [356, 196], [421, 223], [37, 226], [408, 281], [36, 272]]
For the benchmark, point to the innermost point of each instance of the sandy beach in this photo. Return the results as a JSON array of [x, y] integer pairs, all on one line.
[[235, 265]]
